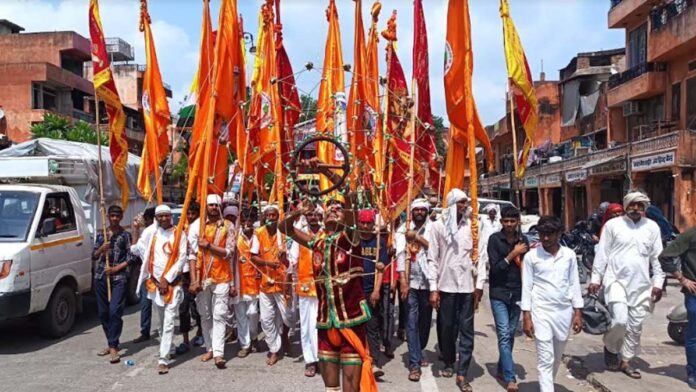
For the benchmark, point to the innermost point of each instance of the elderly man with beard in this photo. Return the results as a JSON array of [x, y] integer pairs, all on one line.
[[301, 261], [210, 260], [161, 273], [270, 256], [628, 247], [412, 247], [455, 285]]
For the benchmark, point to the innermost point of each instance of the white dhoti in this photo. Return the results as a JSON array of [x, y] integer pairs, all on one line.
[[247, 314], [309, 306], [167, 315], [274, 314], [623, 336], [549, 357], [212, 305]]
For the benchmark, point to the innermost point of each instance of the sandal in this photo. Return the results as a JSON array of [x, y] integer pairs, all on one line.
[[104, 352], [414, 375], [163, 369], [220, 363], [115, 358], [464, 385], [447, 372], [310, 370], [424, 363], [631, 372]]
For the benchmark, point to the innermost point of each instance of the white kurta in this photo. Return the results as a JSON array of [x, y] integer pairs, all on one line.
[[419, 270], [550, 290], [625, 253]]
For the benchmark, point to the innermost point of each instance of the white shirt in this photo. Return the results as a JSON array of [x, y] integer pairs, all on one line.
[[419, 270], [449, 264], [489, 227], [550, 290], [194, 233], [625, 252], [162, 240]]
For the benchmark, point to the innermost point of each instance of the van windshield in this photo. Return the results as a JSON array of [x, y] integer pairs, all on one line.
[[17, 210]]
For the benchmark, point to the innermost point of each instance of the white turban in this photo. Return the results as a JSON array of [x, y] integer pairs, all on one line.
[[319, 210], [455, 195], [420, 203], [230, 210], [270, 207], [635, 197], [213, 199], [162, 209]]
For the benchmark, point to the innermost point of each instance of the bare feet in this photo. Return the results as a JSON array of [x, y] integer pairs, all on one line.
[[273, 358], [207, 356], [512, 387]]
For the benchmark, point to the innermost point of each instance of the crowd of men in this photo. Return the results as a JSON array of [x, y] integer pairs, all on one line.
[[336, 270]]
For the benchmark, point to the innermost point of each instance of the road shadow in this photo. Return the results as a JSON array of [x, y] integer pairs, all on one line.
[[21, 336], [492, 368], [534, 387]]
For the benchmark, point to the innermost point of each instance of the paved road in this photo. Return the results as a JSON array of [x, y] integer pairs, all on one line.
[[30, 363]]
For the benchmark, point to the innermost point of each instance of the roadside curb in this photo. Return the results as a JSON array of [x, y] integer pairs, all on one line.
[[577, 368]]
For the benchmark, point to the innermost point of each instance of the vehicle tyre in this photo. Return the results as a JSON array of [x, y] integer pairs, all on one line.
[[59, 316], [676, 332], [132, 286]]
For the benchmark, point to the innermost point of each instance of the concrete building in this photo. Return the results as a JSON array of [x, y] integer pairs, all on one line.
[[628, 121], [44, 72]]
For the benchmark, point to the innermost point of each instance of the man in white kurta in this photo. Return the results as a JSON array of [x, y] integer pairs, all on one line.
[[163, 284], [628, 248], [551, 299], [490, 223]]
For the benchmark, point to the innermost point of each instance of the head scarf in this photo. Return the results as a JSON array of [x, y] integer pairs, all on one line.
[[635, 197], [213, 199], [611, 210], [655, 214], [270, 207], [162, 209], [603, 207], [367, 216], [449, 215], [420, 203], [230, 210]]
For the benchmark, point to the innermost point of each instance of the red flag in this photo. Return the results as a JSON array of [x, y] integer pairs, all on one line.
[[105, 89]]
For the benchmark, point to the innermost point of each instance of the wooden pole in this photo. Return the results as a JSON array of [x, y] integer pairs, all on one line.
[[412, 126], [514, 146], [102, 208]]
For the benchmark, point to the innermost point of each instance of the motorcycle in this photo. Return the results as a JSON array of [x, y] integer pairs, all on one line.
[[677, 320], [580, 240]]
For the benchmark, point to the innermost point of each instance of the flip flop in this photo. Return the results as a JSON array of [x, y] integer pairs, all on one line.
[[631, 372], [414, 375], [115, 358], [464, 385], [163, 369], [220, 363], [447, 372], [310, 370], [104, 352]]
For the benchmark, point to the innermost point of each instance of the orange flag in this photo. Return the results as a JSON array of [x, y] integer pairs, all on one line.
[[265, 111], [398, 142], [521, 77], [156, 114], [461, 108], [202, 79], [373, 96], [105, 89], [331, 105]]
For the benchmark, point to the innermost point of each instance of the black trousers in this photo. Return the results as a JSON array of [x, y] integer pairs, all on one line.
[[187, 308], [455, 319]]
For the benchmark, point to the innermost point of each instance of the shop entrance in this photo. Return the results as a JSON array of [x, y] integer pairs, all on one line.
[[660, 189]]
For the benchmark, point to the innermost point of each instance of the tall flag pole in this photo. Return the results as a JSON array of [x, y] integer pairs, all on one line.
[[461, 108], [156, 114], [396, 135], [426, 152], [521, 86], [105, 89], [331, 102], [373, 79]]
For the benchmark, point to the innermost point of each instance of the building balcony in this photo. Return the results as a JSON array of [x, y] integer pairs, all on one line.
[[625, 13], [673, 30], [642, 81], [676, 146]]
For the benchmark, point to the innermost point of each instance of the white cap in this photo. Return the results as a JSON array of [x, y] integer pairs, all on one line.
[[213, 199], [230, 210], [163, 209]]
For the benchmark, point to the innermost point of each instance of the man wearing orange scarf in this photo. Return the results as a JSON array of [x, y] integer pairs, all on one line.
[[162, 281]]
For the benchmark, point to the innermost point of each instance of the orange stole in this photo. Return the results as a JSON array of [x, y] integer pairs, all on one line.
[[305, 273], [367, 378], [269, 251], [150, 284], [248, 275], [220, 271]]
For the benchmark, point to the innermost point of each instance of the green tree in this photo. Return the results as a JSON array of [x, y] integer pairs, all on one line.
[[440, 135], [309, 107], [58, 127]]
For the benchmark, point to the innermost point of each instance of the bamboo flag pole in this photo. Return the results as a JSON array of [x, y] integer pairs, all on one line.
[[102, 210], [514, 144], [412, 127]]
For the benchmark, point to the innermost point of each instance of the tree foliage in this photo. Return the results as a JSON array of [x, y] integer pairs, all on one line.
[[440, 135], [309, 107], [58, 127]]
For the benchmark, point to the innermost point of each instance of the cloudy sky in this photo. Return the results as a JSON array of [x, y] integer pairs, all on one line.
[[552, 32]]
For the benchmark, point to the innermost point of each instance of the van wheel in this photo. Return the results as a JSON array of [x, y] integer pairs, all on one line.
[[59, 316]]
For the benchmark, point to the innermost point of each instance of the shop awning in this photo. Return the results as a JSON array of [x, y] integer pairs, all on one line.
[[598, 162]]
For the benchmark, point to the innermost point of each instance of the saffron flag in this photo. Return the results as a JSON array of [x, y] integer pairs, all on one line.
[[156, 114], [521, 77], [397, 145], [425, 131], [372, 94], [105, 89], [461, 108], [331, 105], [265, 111], [201, 86]]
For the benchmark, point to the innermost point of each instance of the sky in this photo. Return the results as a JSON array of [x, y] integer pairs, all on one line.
[[551, 31]]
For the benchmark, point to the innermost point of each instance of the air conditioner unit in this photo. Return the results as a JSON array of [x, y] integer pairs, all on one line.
[[631, 108]]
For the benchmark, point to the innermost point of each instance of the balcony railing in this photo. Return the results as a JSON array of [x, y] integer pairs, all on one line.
[[634, 72], [661, 16]]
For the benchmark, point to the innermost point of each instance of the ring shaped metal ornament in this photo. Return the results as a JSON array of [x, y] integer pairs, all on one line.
[[345, 166]]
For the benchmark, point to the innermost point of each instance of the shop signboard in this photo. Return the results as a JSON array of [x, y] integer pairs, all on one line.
[[531, 182], [655, 161], [576, 175], [612, 167], [552, 180]]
